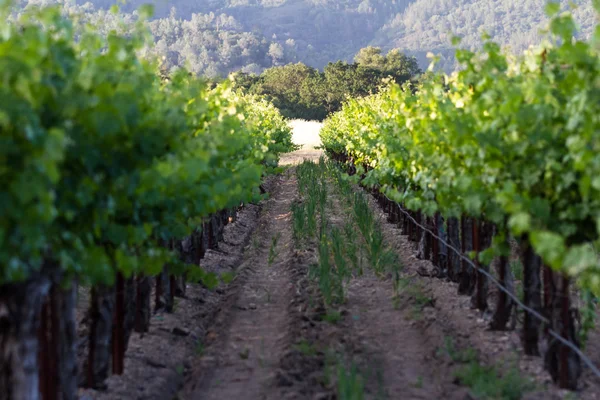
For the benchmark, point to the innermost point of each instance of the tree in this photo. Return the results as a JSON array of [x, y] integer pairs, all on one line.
[[276, 53], [287, 87], [300, 91], [370, 57], [399, 64]]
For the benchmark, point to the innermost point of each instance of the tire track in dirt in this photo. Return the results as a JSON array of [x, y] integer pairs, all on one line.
[[251, 338]]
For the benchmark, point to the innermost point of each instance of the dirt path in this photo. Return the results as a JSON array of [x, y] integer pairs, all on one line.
[[398, 355], [403, 355], [268, 333], [305, 134], [246, 355]]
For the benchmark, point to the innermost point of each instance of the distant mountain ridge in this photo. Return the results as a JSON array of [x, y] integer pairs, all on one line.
[[262, 33]]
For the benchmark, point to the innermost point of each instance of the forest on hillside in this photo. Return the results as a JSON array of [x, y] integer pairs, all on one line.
[[216, 37]]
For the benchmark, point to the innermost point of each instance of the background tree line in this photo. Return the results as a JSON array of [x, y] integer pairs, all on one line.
[[300, 91], [216, 37]]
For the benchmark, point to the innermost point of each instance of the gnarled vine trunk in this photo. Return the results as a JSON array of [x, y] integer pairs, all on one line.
[[130, 309], [424, 252], [504, 304], [483, 233], [143, 308], [453, 258], [20, 307], [562, 362], [466, 283], [102, 306], [532, 288], [64, 308], [442, 249]]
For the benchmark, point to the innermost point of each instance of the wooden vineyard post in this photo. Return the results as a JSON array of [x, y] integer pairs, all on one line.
[[560, 360], [172, 288], [158, 292], [450, 255], [463, 264], [142, 295], [390, 211], [54, 341], [531, 297], [130, 313], [118, 336], [465, 285], [170, 278], [435, 243], [500, 317], [417, 230], [92, 339], [197, 245], [66, 341], [504, 304], [57, 345], [548, 282], [426, 237], [21, 305], [211, 234], [44, 364], [566, 322], [570, 363], [454, 263], [102, 316], [480, 300], [419, 221], [405, 222], [204, 240]]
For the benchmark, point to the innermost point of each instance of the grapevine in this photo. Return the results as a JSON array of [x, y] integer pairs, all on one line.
[[105, 165], [510, 141]]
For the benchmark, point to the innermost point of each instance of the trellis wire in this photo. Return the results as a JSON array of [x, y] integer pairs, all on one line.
[[531, 311]]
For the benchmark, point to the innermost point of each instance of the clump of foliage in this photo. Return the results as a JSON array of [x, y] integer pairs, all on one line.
[[300, 91]]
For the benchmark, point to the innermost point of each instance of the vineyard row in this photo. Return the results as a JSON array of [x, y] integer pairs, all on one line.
[[502, 152], [114, 178]]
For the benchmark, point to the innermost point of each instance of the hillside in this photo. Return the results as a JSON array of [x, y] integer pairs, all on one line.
[[428, 25], [219, 36]]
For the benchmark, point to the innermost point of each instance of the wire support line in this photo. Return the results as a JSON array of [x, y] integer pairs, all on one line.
[[531, 311]]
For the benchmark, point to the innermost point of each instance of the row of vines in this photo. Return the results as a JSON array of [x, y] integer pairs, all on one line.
[[114, 179], [504, 151]]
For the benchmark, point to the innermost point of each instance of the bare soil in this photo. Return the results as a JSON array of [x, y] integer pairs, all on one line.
[[266, 336], [157, 362], [397, 357], [470, 328], [244, 358]]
